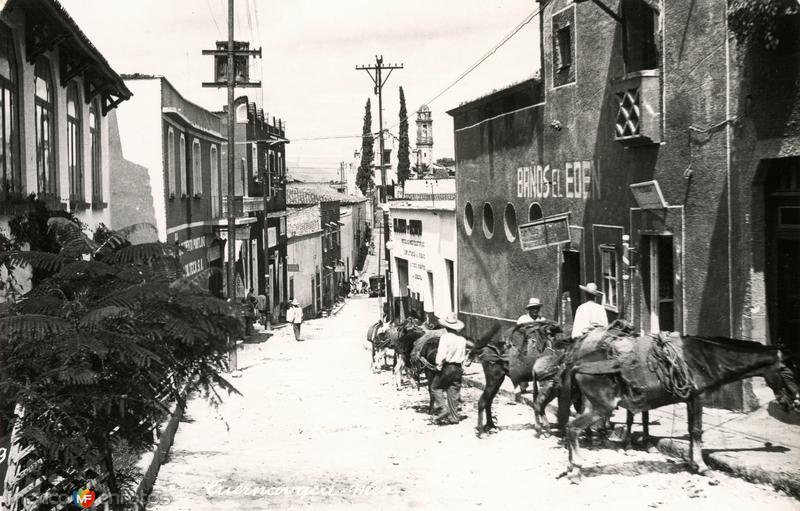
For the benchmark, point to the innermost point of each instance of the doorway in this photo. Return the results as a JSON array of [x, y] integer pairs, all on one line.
[[782, 189], [658, 271]]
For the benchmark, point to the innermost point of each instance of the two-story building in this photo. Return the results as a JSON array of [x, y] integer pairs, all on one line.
[[304, 258], [655, 156], [56, 90], [166, 161]]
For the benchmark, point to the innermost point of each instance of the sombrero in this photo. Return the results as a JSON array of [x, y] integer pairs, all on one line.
[[451, 321], [591, 288], [295, 302], [533, 302]]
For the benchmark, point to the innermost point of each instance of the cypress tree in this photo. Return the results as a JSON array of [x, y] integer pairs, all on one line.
[[364, 177], [403, 165]]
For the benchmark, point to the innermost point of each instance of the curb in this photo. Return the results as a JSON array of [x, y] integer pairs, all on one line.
[[680, 449]]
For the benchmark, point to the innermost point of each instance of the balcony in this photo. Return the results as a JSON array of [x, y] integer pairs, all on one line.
[[637, 99], [238, 206]]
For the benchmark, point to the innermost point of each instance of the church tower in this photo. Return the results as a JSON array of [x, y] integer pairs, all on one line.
[[424, 137]]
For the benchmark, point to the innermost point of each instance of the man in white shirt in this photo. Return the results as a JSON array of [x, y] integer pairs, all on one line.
[[295, 316], [533, 307], [450, 355], [590, 314]]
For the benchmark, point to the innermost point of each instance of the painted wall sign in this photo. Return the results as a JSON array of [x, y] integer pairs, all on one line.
[[648, 195], [549, 231], [194, 243], [293, 267], [193, 267], [576, 180]]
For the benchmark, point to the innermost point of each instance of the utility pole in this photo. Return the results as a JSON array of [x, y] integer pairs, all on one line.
[[231, 83], [379, 81]]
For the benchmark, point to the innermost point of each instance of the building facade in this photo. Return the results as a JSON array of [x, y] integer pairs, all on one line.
[[260, 156], [55, 97], [166, 163], [304, 258], [332, 267], [656, 157], [423, 250]]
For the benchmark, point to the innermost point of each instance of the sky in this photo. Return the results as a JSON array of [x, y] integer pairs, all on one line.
[[309, 52]]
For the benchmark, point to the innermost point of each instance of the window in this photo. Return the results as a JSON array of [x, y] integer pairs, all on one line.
[[75, 166], [399, 225], [609, 268], [535, 212], [254, 160], [564, 47], [641, 30], [45, 135], [280, 164], [469, 218], [488, 220], [387, 156], [172, 172], [197, 169], [214, 183], [94, 153], [9, 136], [415, 227], [181, 175], [510, 224], [291, 288]]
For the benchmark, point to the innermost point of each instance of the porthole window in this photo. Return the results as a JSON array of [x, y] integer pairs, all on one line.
[[469, 218], [488, 220], [510, 224], [535, 212]]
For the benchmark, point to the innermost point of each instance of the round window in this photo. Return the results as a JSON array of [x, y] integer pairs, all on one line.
[[488, 220], [469, 218], [510, 222], [535, 213]]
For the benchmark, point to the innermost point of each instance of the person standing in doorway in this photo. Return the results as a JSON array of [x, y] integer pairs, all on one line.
[[295, 316], [450, 356], [590, 314]]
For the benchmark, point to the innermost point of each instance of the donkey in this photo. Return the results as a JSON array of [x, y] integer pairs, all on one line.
[[524, 353], [376, 337], [647, 372]]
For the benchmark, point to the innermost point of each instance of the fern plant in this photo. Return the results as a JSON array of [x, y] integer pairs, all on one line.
[[111, 333]]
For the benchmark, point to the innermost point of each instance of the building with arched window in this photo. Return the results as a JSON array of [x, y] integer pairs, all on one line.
[[56, 90]]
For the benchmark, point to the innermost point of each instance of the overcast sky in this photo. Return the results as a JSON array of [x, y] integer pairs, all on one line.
[[310, 50]]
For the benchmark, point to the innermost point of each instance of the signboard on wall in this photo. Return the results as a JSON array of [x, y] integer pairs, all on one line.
[[292, 267], [547, 232], [242, 233], [5, 451], [648, 195]]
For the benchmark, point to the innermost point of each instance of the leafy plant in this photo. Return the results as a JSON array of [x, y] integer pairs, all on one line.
[[108, 337], [758, 20], [365, 174]]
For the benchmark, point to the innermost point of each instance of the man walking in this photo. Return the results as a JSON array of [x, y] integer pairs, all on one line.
[[295, 316], [590, 314], [447, 382]]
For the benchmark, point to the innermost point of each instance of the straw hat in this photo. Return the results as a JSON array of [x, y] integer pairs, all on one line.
[[451, 321], [533, 302], [295, 302], [591, 288]]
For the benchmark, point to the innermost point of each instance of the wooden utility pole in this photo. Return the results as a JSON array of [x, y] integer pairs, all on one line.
[[380, 81], [231, 83]]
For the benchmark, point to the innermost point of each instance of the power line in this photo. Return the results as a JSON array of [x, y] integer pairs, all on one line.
[[213, 18]]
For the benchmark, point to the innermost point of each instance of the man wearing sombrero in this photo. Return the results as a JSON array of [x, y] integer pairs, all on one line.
[[451, 354], [590, 314], [533, 307]]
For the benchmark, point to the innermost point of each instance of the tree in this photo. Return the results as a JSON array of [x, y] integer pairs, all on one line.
[[95, 352], [365, 174], [446, 162], [759, 20], [403, 165]]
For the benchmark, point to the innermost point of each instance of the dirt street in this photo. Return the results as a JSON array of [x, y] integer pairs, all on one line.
[[316, 429]]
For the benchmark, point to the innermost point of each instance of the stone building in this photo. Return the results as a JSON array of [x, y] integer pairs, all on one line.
[[655, 156]]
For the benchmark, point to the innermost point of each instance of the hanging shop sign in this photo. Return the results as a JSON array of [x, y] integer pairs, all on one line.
[[648, 195], [547, 232], [242, 233]]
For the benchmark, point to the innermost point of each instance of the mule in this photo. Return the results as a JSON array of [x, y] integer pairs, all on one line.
[[376, 337], [523, 353], [647, 372]]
